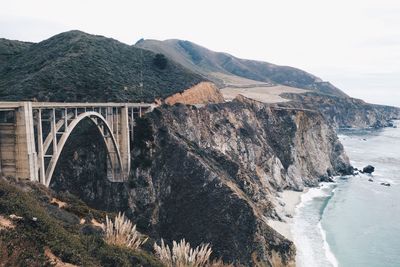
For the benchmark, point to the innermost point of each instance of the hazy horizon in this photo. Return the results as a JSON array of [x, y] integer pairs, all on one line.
[[355, 46]]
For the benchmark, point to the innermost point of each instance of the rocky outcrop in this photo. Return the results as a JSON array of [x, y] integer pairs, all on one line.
[[345, 112], [211, 174], [201, 93], [368, 169]]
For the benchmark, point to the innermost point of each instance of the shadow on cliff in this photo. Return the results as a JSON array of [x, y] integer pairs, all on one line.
[[82, 170], [210, 175]]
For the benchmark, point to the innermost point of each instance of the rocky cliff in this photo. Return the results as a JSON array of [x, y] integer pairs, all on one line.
[[201, 93], [345, 112], [211, 174]]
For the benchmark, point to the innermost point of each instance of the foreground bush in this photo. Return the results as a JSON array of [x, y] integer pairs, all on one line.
[[56, 230], [182, 255], [122, 232]]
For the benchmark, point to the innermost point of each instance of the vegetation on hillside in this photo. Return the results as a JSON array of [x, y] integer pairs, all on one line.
[[75, 66], [10, 48], [206, 62], [122, 232], [43, 228]]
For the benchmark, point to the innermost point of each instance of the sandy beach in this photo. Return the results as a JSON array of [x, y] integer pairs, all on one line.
[[286, 207]]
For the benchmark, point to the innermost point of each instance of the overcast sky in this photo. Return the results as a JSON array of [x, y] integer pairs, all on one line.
[[355, 44]]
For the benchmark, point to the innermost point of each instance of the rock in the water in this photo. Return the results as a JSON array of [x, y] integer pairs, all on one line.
[[370, 180], [369, 169], [385, 184]]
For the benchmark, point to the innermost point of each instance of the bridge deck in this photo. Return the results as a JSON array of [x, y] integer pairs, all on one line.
[[14, 105]]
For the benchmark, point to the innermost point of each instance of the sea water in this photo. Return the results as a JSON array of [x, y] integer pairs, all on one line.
[[354, 222]]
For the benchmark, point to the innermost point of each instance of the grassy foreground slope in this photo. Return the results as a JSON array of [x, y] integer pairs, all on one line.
[[76, 66], [36, 230]]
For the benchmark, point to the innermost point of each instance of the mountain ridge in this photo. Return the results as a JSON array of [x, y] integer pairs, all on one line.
[[210, 64], [269, 83], [76, 66]]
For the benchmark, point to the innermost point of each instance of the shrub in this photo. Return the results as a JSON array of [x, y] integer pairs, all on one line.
[[122, 232], [182, 255], [160, 61]]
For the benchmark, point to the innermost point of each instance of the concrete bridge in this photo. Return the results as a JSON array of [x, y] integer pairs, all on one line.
[[33, 135]]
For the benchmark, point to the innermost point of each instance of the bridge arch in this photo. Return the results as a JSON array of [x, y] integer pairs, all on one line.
[[35, 133], [113, 151]]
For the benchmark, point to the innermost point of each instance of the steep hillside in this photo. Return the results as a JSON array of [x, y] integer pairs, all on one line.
[[225, 69], [41, 228], [10, 48], [345, 112], [75, 66], [210, 174], [270, 83]]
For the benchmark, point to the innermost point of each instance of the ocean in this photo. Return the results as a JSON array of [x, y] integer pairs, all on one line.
[[354, 222]]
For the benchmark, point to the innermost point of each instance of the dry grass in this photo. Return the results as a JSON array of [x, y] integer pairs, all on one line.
[[58, 202], [6, 223], [122, 232], [182, 255]]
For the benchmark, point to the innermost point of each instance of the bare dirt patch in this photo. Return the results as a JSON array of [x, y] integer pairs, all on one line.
[[6, 223], [266, 94]]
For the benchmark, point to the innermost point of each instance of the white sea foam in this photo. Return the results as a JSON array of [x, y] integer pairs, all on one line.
[[328, 252], [307, 230]]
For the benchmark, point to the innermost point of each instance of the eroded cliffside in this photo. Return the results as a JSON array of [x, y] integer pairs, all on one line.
[[345, 112], [201, 93], [210, 174]]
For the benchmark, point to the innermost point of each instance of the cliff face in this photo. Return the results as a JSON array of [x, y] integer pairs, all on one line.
[[202, 93], [211, 174], [345, 112]]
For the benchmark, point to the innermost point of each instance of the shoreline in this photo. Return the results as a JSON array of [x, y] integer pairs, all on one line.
[[286, 208]]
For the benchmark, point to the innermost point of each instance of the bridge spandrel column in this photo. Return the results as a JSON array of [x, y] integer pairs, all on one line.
[[26, 157], [124, 142]]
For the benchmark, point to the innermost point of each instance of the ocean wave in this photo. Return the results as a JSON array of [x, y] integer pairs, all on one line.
[[328, 252], [312, 193], [309, 236]]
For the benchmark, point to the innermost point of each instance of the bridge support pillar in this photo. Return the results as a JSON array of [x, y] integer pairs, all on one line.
[[124, 142], [33, 135], [25, 151]]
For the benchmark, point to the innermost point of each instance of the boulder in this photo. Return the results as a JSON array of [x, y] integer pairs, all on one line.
[[385, 184], [369, 169]]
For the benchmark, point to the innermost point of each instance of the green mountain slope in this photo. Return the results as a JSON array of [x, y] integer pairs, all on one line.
[[225, 69], [75, 66], [10, 48]]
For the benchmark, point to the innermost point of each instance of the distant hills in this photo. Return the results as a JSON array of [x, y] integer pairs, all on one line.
[[227, 70], [75, 66]]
